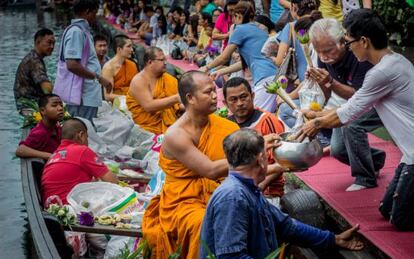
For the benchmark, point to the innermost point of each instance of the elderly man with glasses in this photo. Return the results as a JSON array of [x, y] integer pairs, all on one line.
[[340, 75], [389, 88], [153, 95]]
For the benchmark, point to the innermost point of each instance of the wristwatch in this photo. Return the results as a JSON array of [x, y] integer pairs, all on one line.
[[329, 84]]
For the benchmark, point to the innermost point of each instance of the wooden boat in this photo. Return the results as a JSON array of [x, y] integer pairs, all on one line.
[[47, 233]]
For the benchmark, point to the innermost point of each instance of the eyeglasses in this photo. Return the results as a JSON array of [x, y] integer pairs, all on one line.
[[348, 43]]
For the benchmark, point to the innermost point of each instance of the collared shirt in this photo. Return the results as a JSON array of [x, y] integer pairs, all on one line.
[[239, 221], [43, 139], [70, 165], [389, 88], [73, 47], [30, 74]]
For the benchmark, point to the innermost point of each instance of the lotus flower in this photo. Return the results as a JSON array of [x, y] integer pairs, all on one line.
[[223, 112], [283, 82], [86, 219], [303, 36]]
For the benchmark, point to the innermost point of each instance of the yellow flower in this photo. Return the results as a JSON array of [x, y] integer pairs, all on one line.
[[37, 116], [314, 106]]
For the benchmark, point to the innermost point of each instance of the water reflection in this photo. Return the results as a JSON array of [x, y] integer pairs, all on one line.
[[16, 40]]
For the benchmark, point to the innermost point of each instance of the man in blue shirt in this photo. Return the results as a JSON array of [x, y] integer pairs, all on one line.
[[240, 223], [79, 54]]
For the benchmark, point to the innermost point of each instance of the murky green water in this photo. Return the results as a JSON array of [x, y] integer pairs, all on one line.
[[16, 40]]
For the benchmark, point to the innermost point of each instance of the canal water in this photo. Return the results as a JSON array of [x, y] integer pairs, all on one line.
[[16, 40]]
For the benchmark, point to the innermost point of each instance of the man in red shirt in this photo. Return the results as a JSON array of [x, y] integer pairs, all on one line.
[[72, 163], [238, 97], [45, 137]]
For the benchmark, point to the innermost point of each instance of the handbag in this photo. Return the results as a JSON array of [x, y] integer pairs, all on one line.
[[288, 67]]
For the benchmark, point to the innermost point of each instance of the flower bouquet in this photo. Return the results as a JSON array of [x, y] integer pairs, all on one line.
[[34, 117]]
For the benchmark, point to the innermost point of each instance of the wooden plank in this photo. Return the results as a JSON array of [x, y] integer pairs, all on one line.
[[107, 230]]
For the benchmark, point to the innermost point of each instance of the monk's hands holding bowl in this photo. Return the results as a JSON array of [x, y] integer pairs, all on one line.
[[272, 141], [348, 241]]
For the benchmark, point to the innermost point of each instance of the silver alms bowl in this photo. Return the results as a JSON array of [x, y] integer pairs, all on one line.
[[298, 156]]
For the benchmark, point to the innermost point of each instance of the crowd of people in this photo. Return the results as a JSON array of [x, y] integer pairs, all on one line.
[[240, 46]]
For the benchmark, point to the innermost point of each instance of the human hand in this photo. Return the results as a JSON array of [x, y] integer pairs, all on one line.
[[215, 74], [309, 114], [272, 140], [203, 69], [309, 129], [320, 75], [105, 84], [347, 241]]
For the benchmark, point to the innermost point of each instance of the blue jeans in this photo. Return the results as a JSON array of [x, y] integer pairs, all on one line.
[[397, 203], [286, 113], [349, 145]]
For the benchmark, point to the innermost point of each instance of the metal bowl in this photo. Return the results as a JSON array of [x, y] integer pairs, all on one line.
[[298, 156]]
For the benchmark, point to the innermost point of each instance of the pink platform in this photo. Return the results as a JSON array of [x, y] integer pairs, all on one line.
[[329, 178]]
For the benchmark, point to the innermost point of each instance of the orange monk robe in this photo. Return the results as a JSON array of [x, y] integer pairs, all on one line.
[[174, 217], [123, 78], [156, 122]]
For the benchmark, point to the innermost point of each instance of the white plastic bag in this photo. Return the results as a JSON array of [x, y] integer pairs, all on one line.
[[311, 96], [102, 197]]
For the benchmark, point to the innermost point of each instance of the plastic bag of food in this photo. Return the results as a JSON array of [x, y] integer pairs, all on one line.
[[311, 96], [102, 197]]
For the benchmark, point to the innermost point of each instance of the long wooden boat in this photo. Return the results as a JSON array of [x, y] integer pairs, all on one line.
[[47, 233]]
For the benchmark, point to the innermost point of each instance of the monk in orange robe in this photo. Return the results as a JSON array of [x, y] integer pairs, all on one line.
[[153, 95], [120, 70], [193, 160]]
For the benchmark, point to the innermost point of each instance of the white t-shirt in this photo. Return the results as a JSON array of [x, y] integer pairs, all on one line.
[[389, 88]]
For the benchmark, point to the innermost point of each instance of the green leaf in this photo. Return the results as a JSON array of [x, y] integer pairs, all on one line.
[[210, 255], [176, 254]]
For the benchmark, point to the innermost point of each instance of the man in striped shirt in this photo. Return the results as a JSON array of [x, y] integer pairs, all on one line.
[[238, 97]]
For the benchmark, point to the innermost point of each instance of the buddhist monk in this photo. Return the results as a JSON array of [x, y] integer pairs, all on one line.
[[153, 95], [120, 70], [193, 160]]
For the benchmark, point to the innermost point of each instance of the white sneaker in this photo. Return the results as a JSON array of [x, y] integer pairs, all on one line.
[[355, 187]]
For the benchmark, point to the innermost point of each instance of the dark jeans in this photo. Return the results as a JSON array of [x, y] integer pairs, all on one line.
[[398, 202], [349, 145], [86, 112]]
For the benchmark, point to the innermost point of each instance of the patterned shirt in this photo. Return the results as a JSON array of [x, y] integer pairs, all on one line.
[[30, 74]]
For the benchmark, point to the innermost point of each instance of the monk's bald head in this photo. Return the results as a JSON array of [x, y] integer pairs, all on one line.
[[189, 82], [72, 127]]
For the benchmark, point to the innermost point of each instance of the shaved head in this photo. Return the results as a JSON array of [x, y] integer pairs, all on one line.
[[71, 127], [187, 84]]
